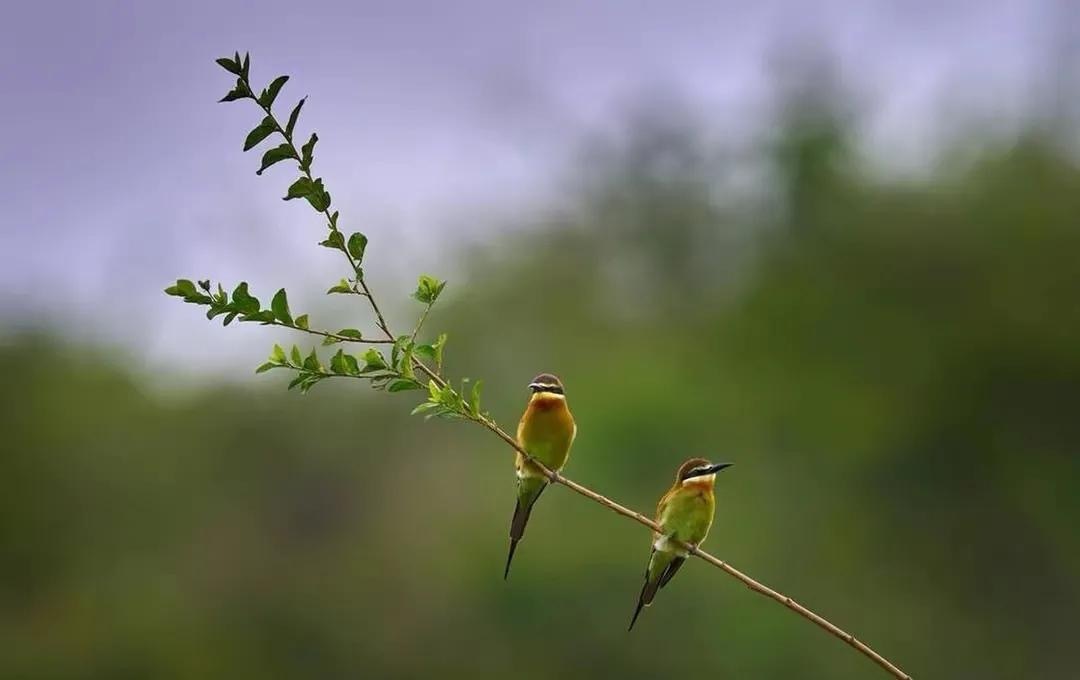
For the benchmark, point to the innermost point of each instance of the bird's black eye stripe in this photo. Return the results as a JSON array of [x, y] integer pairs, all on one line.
[[553, 389]]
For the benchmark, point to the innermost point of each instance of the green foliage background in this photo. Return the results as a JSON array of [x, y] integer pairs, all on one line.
[[894, 366]]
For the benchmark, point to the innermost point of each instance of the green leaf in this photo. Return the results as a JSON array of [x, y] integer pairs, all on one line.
[[204, 284], [270, 93], [301, 322], [277, 355], [186, 288], [351, 333], [428, 289], [474, 398], [357, 245], [299, 189], [318, 197], [245, 65], [423, 408], [275, 155], [265, 367], [424, 351], [337, 362], [351, 365], [311, 362], [297, 358], [307, 151], [229, 319], [229, 65], [297, 380], [401, 385], [238, 92], [261, 132], [334, 240], [374, 361], [243, 302], [342, 287], [330, 340], [293, 117], [280, 307]]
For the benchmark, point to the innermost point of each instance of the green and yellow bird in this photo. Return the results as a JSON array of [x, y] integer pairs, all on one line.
[[685, 514], [546, 431]]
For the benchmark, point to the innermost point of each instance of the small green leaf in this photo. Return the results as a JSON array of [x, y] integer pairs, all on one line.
[[275, 155], [204, 284], [297, 358], [265, 367], [297, 380], [299, 189], [229, 65], [428, 289], [423, 408], [280, 307], [270, 93], [350, 333], [318, 197], [424, 351], [337, 363], [307, 151], [330, 340], [277, 355], [301, 322], [245, 65], [244, 303], [239, 92], [351, 365], [261, 132], [357, 245], [334, 240], [342, 287], [400, 385], [311, 362], [293, 117], [374, 361], [186, 288]]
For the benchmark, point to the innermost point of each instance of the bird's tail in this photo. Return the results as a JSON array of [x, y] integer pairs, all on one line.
[[662, 567], [529, 490]]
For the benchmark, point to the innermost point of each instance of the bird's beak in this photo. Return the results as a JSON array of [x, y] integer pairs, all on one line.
[[712, 469]]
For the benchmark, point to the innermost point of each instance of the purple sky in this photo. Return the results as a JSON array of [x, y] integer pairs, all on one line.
[[119, 171]]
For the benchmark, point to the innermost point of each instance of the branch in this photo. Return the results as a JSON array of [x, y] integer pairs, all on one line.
[[400, 372]]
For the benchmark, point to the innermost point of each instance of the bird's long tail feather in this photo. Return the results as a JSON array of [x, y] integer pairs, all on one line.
[[529, 490], [661, 569]]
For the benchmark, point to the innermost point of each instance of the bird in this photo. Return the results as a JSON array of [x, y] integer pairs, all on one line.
[[685, 514], [547, 431]]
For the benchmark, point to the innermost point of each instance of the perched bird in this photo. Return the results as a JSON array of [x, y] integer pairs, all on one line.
[[685, 513], [546, 431]]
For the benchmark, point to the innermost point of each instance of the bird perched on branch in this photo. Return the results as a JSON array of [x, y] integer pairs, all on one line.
[[685, 514], [546, 431]]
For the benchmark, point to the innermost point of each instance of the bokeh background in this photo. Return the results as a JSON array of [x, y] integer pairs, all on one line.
[[837, 243]]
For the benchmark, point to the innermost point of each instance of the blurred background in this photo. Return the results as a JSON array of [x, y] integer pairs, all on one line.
[[836, 243]]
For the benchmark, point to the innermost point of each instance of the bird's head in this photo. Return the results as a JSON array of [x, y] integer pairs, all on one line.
[[547, 384], [699, 471]]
